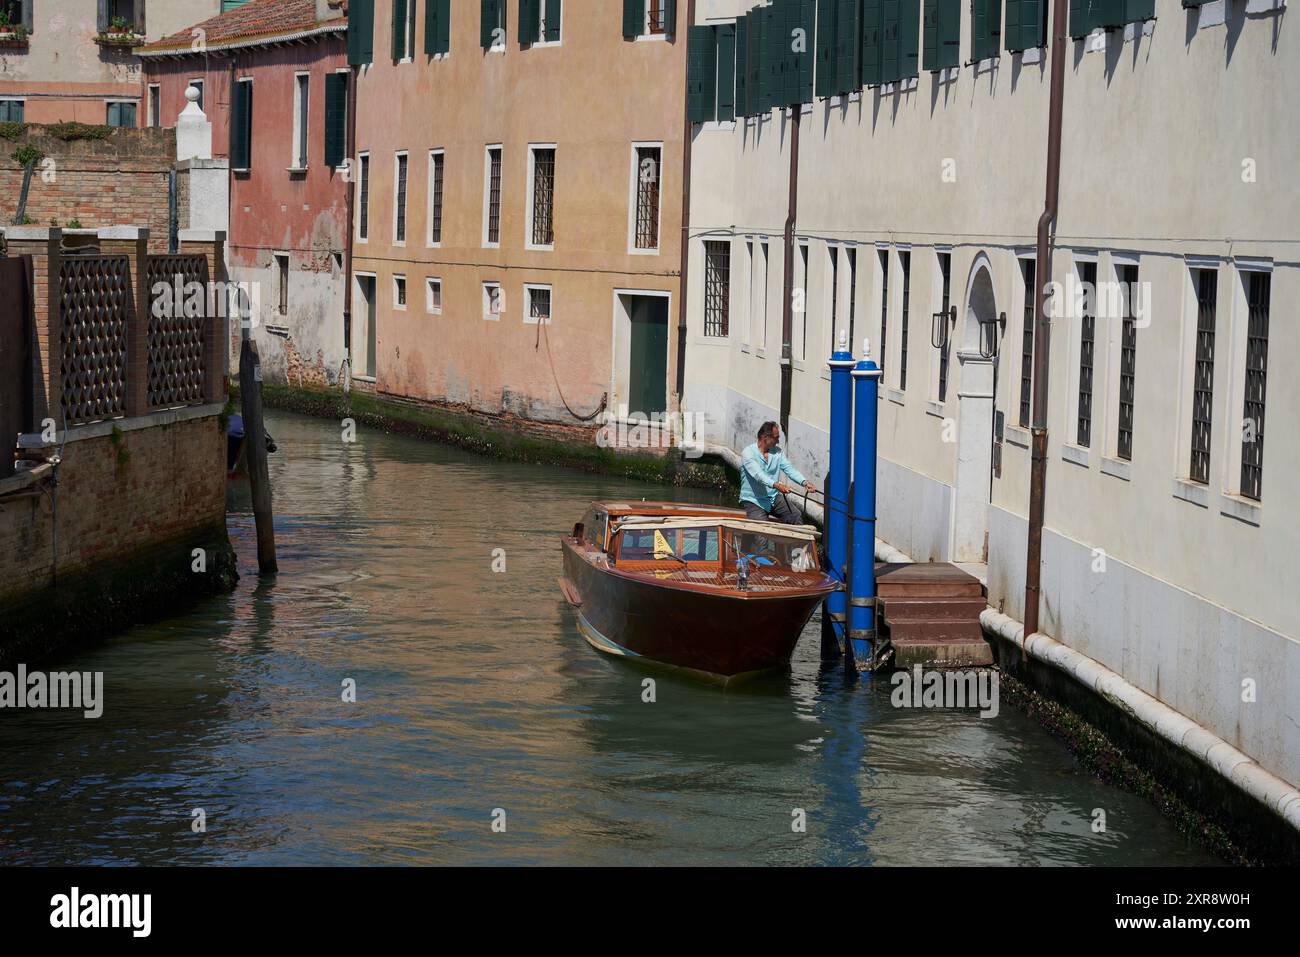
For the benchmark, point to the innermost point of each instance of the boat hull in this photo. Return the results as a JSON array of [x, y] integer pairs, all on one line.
[[710, 632]]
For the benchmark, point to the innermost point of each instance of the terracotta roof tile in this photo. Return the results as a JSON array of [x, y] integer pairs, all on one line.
[[257, 19]]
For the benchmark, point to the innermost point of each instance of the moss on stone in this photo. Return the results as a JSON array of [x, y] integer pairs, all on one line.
[[469, 432]]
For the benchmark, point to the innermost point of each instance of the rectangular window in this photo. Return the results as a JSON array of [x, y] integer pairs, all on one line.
[[399, 193], [433, 296], [657, 16], [834, 291], [121, 114], [403, 30], [155, 105], [542, 211], [494, 301], [986, 29], [941, 42], [241, 126], [435, 197], [197, 83], [539, 21], [762, 294], [492, 25], [336, 118], [282, 283], [1027, 343], [750, 313], [399, 292], [852, 255], [492, 197], [300, 112], [904, 260], [717, 287], [1128, 277], [1206, 282], [884, 306], [1026, 24], [646, 192], [11, 111], [1087, 352], [363, 198], [945, 272], [806, 283], [1258, 292], [537, 304]]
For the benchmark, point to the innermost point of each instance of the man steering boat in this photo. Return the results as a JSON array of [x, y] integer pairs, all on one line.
[[762, 466]]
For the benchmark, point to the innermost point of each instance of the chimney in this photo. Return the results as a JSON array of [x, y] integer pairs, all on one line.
[[329, 10]]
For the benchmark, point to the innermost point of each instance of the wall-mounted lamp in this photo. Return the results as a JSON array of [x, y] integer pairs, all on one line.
[[991, 335], [940, 323]]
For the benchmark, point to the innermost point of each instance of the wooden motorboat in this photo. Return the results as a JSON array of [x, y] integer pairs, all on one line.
[[698, 588]]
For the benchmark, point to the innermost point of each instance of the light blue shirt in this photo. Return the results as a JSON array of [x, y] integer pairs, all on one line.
[[759, 475]]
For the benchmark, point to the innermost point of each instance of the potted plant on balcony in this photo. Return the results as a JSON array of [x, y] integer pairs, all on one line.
[[12, 35], [120, 33]]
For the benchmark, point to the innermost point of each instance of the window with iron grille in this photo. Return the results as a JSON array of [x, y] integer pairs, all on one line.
[[884, 306], [435, 197], [647, 197], [282, 277], [399, 225], [539, 303], [1207, 290], [1252, 443], [717, 287], [494, 195], [363, 202], [905, 260], [543, 232], [1087, 351], [1128, 277], [1027, 345], [945, 269], [835, 291], [852, 255], [658, 18]]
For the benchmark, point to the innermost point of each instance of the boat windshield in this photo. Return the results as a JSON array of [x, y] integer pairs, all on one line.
[[670, 544], [767, 550]]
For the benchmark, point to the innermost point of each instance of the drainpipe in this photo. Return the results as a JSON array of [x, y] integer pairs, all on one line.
[[787, 308], [1042, 329], [354, 171], [686, 229]]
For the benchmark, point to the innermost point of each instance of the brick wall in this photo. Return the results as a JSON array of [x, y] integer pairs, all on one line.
[[121, 179], [116, 495]]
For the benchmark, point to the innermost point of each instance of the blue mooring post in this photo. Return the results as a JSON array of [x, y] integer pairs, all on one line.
[[862, 560], [837, 497]]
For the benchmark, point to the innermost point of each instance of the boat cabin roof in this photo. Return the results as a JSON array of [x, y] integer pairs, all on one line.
[[618, 510], [802, 532]]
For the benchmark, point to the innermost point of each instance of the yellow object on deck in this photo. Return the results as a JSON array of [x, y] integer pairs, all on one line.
[[662, 548]]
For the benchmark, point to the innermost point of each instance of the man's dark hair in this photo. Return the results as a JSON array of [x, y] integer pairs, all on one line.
[[766, 429]]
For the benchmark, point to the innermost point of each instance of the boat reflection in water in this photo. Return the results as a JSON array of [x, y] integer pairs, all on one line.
[[696, 588]]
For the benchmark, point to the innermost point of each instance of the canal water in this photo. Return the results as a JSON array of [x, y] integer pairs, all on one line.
[[477, 700]]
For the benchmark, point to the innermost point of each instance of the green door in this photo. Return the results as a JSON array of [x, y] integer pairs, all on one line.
[[648, 379]]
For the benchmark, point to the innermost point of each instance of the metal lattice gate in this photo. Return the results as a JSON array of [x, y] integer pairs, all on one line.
[[95, 300], [175, 369]]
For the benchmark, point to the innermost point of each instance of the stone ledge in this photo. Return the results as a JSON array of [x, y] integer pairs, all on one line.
[[95, 430]]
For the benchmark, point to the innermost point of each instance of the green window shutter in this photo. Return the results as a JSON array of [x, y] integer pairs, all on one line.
[[701, 74], [1011, 32], [950, 33], [529, 21], [909, 37], [552, 21], [826, 46], [1080, 18], [726, 71], [491, 18], [633, 18], [807, 14], [872, 22], [742, 66], [986, 29], [361, 32], [889, 41], [437, 27], [1137, 10], [930, 35], [770, 68], [336, 116], [1026, 24], [846, 46], [399, 29], [670, 18], [241, 126], [1107, 13]]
